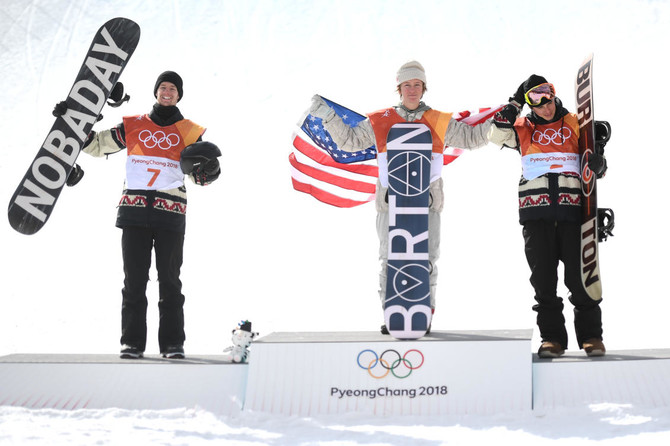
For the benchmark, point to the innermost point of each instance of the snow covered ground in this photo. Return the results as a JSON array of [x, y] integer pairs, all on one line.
[[257, 249], [601, 425]]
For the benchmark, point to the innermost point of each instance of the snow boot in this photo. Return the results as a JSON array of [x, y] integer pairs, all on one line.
[[130, 352], [550, 349], [594, 347], [174, 352]]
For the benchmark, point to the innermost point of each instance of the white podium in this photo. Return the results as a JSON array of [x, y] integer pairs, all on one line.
[[639, 377], [306, 374], [69, 382], [446, 372]]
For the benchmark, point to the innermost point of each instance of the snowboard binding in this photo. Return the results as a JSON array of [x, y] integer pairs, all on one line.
[[75, 176], [605, 223], [116, 97], [603, 131]]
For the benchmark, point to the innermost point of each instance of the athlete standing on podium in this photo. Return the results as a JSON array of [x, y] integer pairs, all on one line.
[[550, 210], [152, 212], [411, 86]]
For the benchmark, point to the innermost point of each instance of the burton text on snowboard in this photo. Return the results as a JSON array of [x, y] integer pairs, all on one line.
[[590, 266], [407, 310]]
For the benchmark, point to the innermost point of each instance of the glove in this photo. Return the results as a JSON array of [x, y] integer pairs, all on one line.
[[320, 109], [207, 173], [88, 139], [504, 119], [61, 108], [75, 175], [598, 164], [519, 98]]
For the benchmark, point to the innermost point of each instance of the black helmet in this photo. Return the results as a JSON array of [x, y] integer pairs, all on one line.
[[198, 154]]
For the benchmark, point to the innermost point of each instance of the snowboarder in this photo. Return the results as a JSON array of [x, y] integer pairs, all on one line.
[[152, 212], [411, 86], [550, 210]]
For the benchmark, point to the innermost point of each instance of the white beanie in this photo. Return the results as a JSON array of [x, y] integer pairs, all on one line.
[[411, 70]]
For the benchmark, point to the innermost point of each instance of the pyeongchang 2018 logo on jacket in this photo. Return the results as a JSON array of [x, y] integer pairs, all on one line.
[[390, 363]]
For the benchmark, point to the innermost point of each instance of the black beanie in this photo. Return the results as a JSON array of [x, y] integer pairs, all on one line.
[[170, 76], [533, 81]]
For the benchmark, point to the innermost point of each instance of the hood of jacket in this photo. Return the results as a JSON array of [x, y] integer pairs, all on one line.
[[411, 115]]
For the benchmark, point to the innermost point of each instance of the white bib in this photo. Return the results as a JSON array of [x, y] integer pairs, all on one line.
[[537, 164]]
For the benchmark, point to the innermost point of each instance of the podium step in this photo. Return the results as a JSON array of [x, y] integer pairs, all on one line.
[[639, 377], [305, 374], [445, 372], [103, 381]]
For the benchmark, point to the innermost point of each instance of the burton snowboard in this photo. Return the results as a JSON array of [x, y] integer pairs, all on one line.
[[407, 311], [34, 199], [590, 142]]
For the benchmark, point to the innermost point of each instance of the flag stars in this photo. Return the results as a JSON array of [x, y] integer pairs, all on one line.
[[314, 128]]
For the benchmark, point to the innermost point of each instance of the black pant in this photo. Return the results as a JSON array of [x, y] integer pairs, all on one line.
[[547, 243], [136, 244]]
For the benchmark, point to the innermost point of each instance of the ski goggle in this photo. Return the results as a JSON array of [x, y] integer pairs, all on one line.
[[535, 95]]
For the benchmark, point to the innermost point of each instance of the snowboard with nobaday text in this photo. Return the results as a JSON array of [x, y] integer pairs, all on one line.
[[34, 199]]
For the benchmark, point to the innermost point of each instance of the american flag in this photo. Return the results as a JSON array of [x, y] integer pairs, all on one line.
[[313, 127], [340, 178], [321, 169]]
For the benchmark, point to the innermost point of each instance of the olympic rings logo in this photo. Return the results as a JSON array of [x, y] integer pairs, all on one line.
[[369, 360], [551, 136], [160, 139]]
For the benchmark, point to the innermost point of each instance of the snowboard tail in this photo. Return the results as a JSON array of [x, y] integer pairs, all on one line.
[[34, 199]]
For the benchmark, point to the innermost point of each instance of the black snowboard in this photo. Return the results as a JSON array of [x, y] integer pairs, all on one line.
[[34, 199]]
